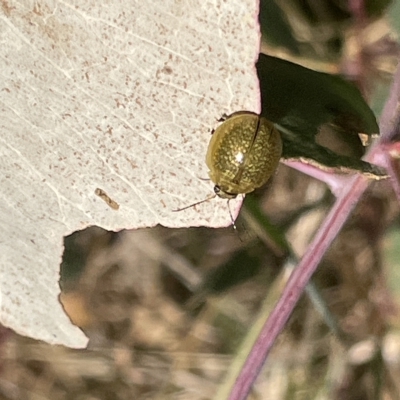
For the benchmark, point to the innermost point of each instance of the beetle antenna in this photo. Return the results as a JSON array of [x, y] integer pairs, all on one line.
[[230, 214], [195, 204], [208, 199]]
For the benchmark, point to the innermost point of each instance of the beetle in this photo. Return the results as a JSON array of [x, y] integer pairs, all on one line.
[[243, 153]]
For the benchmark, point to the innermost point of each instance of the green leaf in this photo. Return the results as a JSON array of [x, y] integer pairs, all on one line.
[[301, 101], [310, 152]]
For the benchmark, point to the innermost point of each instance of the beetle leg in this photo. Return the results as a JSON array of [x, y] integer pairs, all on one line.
[[223, 118]]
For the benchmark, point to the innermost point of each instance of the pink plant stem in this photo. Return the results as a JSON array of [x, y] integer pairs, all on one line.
[[357, 7], [391, 168], [345, 202], [295, 286]]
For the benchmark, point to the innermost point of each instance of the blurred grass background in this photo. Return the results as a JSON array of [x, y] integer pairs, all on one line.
[[167, 310]]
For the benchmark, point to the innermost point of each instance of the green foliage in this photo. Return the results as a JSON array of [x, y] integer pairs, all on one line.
[[302, 101]]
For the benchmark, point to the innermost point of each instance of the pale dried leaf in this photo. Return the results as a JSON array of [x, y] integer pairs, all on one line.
[[117, 96]]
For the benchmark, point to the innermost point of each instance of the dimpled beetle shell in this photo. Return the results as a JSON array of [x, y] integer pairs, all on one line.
[[243, 153]]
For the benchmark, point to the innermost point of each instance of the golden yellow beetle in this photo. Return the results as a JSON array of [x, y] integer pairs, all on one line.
[[243, 153]]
